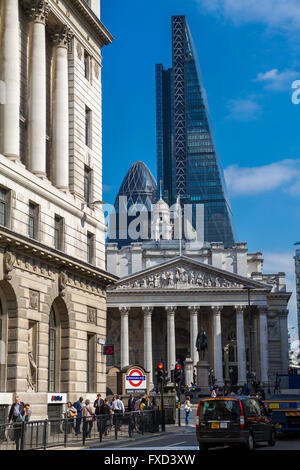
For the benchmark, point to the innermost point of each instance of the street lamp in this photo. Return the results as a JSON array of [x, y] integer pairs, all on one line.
[[251, 373]]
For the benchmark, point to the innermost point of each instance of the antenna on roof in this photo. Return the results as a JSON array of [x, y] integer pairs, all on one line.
[[160, 183]]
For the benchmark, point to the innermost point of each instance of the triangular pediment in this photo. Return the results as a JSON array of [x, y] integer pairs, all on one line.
[[185, 273]]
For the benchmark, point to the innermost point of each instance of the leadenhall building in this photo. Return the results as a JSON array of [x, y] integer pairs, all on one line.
[[52, 231]]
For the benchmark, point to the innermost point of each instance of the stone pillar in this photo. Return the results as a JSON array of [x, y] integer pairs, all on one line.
[[189, 371], [60, 124], [37, 12], [217, 341], [171, 338], [124, 336], [194, 333], [263, 345], [284, 350], [11, 78], [241, 348], [148, 359]]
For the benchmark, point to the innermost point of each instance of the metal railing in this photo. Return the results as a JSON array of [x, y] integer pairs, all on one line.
[[69, 432]]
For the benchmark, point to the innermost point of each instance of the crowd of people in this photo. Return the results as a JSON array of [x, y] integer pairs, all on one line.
[[104, 412]]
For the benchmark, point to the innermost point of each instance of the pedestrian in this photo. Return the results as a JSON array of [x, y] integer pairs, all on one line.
[[107, 412], [78, 407], [187, 409], [118, 409], [240, 391], [14, 418], [213, 393], [88, 414], [71, 413], [131, 403], [137, 404], [98, 405]]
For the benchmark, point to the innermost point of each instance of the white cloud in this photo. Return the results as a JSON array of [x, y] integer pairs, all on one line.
[[275, 14], [284, 262], [257, 180], [243, 109], [277, 81]]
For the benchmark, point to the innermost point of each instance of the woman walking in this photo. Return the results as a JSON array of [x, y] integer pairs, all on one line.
[[187, 409]]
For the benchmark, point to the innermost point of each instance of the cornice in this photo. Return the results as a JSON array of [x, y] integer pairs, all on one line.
[[13, 242]]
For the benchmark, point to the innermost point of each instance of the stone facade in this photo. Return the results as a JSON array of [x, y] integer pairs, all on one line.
[[157, 308], [52, 233], [297, 270]]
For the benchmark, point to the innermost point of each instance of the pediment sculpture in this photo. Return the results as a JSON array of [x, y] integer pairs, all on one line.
[[179, 278]]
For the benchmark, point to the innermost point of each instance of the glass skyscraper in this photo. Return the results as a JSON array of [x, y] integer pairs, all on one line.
[[187, 163]]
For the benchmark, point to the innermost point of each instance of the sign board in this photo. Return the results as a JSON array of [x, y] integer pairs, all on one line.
[[57, 398], [136, 381], [108, 350]]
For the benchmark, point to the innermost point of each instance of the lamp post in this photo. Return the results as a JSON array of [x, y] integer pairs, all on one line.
[[251, 372]]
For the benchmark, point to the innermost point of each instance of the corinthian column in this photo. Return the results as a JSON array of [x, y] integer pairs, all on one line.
[[148, 361], [263, 345], [37, 12], [124, 336], [11, 79], [171, 338], [60, 125], [194, 333], [217, 338], [241, 349]]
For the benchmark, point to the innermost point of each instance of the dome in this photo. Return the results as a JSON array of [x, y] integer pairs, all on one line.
[[161, 206], [138, 185]]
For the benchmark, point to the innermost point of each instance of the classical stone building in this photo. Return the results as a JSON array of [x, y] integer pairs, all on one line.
[[52, 231], [166, 294]]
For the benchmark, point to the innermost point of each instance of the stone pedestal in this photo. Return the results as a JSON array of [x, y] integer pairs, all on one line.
[[203, 376], [188, 370]]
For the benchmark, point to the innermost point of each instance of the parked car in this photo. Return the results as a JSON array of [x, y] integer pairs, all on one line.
[[232, 420]]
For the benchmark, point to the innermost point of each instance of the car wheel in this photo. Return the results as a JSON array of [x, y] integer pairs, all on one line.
[[203, 447], [250, 442], [272, 441]]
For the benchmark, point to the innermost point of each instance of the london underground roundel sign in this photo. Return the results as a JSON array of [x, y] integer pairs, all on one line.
[[135, 381]]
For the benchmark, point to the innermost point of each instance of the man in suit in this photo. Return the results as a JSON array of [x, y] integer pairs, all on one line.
[[98, 405], [131, 403], [15, 410]]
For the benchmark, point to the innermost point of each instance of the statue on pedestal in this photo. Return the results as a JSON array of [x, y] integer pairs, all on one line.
[[201, 344]]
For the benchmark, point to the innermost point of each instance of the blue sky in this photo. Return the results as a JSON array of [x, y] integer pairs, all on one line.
[[249, 56]]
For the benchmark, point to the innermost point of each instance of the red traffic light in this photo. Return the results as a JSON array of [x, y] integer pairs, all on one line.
[[178, 367], [160, 366]]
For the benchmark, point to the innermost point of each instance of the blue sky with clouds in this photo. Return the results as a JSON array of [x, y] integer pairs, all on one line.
[[249, 56]]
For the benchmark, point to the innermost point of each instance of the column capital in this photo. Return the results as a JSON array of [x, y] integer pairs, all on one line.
[[194, 310], [147, 310], [61, 36], [239, 309], [38, 11], [263, 310], [170, 309], [124, 311], [217, 309]]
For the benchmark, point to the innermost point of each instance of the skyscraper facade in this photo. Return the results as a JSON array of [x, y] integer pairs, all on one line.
[[187, 162]]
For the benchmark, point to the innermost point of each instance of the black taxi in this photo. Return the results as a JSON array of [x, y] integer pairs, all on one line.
[[232, 420]]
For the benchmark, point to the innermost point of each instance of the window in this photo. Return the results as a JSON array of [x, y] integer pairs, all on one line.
[[33, 220], [91, 363], [87, 60], [90, 247], [214, 409], [52, 352], [59, 233], [3, 207], [87, 184], [88, 127]]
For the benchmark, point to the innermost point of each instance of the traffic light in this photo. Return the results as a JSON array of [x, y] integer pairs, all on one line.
[[160, 372], [178, 373]]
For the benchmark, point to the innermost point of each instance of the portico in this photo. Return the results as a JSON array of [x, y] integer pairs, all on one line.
[[167, 304]]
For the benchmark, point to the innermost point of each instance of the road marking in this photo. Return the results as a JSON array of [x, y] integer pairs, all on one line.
[[176, 444]]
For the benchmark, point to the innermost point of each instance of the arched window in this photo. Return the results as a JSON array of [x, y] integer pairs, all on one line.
[[52, 352]]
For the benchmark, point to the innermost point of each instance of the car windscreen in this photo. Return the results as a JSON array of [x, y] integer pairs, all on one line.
[[219, 410]]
